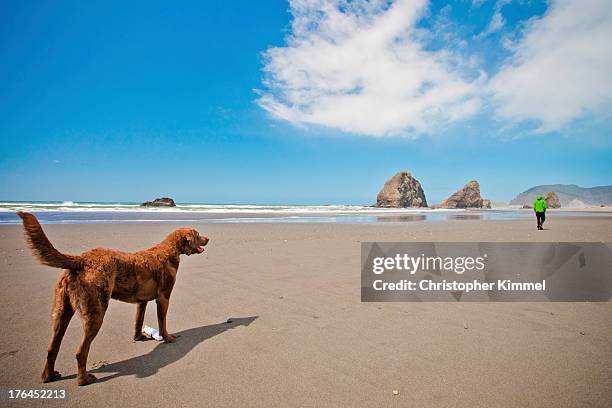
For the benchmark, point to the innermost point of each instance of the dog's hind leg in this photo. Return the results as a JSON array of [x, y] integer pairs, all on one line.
[[92, 312], [90, 329], [60, 318], [140, 315]]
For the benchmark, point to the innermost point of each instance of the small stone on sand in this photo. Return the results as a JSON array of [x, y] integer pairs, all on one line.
[[395, 392]]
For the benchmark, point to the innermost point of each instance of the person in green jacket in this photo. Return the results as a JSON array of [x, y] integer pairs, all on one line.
[[539, 206]]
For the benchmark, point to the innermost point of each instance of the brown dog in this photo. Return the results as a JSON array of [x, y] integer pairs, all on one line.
[[91, 279]]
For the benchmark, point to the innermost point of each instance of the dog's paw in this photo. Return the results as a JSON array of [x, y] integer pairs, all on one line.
[[46, 377], [141, 337], [89, 378], [169, 338]]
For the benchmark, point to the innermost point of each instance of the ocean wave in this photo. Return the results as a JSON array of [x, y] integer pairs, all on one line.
[[71, 206]]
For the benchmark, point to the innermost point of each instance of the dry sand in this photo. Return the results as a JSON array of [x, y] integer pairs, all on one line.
[[301, 337]]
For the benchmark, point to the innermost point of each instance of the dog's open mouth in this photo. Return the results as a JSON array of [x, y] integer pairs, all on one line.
[[200, 249]]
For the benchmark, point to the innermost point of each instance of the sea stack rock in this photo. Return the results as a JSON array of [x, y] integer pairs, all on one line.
[[159, 202], [467, 197], [401, 191], [552, 200]]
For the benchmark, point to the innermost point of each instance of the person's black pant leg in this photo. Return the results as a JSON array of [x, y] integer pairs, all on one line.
[[540, 217]]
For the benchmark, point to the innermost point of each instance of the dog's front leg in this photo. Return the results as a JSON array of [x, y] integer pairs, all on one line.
[[140, 315], [162, 310]]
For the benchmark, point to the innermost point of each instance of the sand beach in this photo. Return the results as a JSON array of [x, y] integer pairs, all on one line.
[[299, 335]]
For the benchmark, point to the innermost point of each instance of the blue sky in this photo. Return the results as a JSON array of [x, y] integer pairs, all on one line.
[[312, 102]]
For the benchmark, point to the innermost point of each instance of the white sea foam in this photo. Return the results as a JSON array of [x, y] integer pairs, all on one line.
[[70, 206], [68, 212]]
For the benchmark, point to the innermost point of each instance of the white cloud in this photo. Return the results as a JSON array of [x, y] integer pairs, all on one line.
[[497, 21], [560, 68], [361, 67]]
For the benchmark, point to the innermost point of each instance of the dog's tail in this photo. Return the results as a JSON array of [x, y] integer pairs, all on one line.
[[42, 247]]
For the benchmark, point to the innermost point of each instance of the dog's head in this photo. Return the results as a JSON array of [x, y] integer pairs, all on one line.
[[191, 242]]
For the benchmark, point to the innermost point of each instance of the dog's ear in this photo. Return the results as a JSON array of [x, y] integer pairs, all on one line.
[[183, 243], [188, 243], [193, 239]]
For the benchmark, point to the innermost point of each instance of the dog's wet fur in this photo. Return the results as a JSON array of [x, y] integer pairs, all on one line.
[[91, 279]]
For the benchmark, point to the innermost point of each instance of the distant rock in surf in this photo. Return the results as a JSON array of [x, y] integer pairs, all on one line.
[[552, 200], [467, 197], [401, 191], [159, 202]]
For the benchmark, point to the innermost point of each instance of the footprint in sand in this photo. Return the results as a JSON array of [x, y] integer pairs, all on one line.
[[99, 364], [8, 353]]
